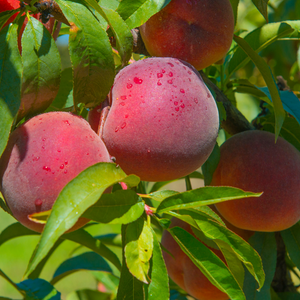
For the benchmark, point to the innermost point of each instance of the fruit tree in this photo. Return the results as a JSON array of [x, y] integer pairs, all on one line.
[[149, 149]]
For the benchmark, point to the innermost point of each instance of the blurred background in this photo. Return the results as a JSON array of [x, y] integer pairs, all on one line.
[[281, 57]]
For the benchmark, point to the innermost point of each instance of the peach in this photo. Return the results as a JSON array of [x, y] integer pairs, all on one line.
[[163, 122], [41, 157], [253, 162], [197, 31], [183, 271]]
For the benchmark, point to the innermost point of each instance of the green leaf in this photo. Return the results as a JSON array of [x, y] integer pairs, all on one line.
[[83, 238], [159, 286], [210, 165], [121, 207], [290, 102], [41, 68], [291, 238], [158, 185], [162, 195], [258, 39], [136, 13], [265, 244], [209, 263], [13, 231], [130, 288], [138, 249], [92, 58], [235, 5], [10, 81], [85, 261], [75, 198], [39, 289], [88, 295], [5, 15], [269, 79], [290, 130], [228, 240], [203, 196], [262, 6], [64, 98], [121, 32]]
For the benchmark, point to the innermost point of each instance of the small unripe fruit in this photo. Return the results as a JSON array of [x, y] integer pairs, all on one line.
[[41, 157], [163, 122], [252, 161]]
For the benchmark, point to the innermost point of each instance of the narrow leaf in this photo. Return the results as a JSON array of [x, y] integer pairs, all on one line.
[[75, 198], [209, 263], [269, 79], [93, 65], [5, 16], [224, 237], [258, 39], [121, 32], [42, 67], [85, 261], [121, 207], [39, 289], [87, 294], [265, 244], [10, 81], [159, 286], [203, 196], [291, 237], [138, 249], [83, 238], [136, 13], [262, 6], [130, 288], [210, 165], [235, 5]]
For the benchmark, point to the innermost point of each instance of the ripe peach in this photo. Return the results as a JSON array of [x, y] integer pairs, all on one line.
[[197, 31], [163, 122], [42, 156], [253, 162], [182, 270]]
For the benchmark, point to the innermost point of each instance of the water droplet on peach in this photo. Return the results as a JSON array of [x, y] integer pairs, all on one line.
[[67, 122], [171, 64], [129, 85], [159, 75], [158, 83], [177, 108], [66, 162], [123, 97], [175, 103], [123, 125], [36, 158], [170, 74], [65, 171], [38, 202], [117, 129], [137, 80], [61, 166], [182, 91], [196, 100], [46, 168], [182, 105]]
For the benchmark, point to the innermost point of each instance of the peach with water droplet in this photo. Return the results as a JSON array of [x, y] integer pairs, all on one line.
[[151, 136], [60, 141]]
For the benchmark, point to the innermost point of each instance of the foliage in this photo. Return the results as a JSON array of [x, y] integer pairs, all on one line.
[[136, 270]]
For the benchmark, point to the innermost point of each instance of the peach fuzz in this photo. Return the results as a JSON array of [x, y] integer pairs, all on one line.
[[253, 162], [163, 122], [197, 31], [182, 270], [41, 157]]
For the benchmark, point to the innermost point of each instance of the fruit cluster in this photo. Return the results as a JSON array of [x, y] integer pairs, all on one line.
[[162, 124]]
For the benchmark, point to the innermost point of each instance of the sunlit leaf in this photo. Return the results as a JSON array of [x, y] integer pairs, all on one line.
[[136, 13], [138, 249], [202, 196], [208, 262], [75, 198]]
